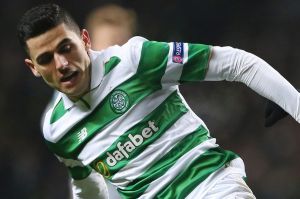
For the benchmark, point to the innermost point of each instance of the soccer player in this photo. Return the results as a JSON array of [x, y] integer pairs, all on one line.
[[119, 111], [108, 25]]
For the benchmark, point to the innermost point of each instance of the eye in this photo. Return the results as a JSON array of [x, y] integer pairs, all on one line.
[[44, 59], [65, 49]]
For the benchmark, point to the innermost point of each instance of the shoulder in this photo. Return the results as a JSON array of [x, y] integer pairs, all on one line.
[[134, 48], [137, 40], [130, 51], [132, 43]]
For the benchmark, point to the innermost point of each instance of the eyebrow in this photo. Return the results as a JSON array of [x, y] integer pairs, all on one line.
[[62, 42]]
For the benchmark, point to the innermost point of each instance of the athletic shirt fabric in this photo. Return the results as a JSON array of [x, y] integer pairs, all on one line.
[[134, 127]]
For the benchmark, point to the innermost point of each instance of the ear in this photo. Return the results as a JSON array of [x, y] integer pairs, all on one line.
[[86, 39], [30, 64]]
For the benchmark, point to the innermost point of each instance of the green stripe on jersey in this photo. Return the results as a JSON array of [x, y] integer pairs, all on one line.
[[196, 172], [113, 61], [75, 139], [135, 140], [137, 88], [58, 111], [153, 61], [137, 187], [197, 64]]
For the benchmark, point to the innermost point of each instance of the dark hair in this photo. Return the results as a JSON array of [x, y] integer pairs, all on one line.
[[42, 18]]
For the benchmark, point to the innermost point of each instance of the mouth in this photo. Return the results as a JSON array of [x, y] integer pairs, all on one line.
[[69, 77]]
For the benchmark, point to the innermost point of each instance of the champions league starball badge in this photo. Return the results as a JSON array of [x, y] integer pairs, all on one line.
[[119, 101], [177, 56]]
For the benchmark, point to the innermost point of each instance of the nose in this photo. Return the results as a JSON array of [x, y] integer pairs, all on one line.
[[61, 61]]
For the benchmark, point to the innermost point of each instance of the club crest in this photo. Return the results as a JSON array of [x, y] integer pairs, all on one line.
[[119, 101]]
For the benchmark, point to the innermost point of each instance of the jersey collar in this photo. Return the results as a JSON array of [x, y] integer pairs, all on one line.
[[97, 68]]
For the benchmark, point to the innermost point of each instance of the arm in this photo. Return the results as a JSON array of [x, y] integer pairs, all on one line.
[[93, 186], [273, 113], [214, 63], [231, 64], [84, 181]]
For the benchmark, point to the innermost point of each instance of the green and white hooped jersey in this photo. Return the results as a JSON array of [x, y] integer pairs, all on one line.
[[134, 127]]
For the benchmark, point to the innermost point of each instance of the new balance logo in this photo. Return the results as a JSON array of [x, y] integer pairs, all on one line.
[[81, 135]]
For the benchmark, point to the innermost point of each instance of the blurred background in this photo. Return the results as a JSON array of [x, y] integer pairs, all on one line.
[[233, 113]]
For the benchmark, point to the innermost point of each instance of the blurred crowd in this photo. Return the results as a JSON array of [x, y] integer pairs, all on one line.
[[233, 113]]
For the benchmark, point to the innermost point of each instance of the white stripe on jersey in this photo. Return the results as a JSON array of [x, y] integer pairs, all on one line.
[[236, 166], [177, 168], [113, 131], [174, 70], [185, 125]]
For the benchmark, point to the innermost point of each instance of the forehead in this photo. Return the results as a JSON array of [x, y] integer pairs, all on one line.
[[49, 40]]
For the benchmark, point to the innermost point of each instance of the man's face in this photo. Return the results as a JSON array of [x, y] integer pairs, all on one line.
[[60, 57]]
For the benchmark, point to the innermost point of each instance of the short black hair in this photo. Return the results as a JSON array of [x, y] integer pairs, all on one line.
[[42, 18]]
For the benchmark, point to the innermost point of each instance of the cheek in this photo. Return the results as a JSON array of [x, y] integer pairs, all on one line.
[[81, 59], [49, 77]]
